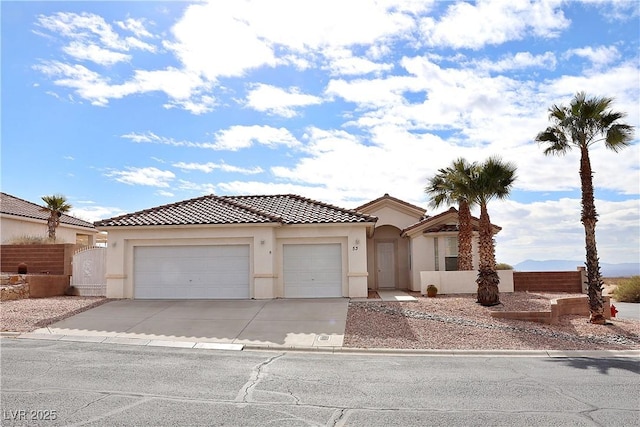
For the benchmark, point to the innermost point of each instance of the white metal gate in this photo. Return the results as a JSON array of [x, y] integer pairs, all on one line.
[[89, 267]]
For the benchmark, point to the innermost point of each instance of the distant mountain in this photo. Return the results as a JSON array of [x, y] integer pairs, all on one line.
[[608, 270]]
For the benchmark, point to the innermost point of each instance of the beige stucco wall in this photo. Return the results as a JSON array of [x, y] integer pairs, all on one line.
[[461, 282], [265, 242], [14, 227], [390, 215], [423, 255]]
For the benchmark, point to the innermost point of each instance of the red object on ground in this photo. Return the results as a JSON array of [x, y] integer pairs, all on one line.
[[614, 310]]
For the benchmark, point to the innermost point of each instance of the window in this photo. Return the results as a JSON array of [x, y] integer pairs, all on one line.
[[451, 254]]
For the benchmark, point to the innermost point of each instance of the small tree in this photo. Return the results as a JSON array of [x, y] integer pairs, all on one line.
[[55, 205], [493, 179], [453, 185], [583, 123]]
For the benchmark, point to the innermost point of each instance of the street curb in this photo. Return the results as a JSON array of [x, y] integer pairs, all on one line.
[[328, 349], [452, 353]]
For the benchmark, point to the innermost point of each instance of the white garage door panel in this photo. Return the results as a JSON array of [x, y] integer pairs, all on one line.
[[179, 272], [312, 271]]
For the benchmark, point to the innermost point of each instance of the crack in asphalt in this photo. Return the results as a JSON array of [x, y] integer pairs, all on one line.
[[256, 376], [339, 416]]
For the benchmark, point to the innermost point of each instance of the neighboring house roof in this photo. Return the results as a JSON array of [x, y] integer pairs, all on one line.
[[211, 209], [11, 205]]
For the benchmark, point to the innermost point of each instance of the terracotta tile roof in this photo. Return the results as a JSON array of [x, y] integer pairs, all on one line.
[[429, 219], [388, 197], [211, 209], [446, 227], [436, 228], [15, 206]]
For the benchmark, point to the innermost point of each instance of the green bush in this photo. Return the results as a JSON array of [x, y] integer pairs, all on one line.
[[503, 266], [628, 290]]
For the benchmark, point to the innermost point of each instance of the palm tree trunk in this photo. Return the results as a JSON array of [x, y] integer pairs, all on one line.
[[465, 236], [52, 223], [589, 219], [488, 280]]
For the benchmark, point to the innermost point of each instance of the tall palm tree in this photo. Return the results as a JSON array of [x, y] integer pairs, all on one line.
[[55, 205], [493, 179], [449, 186], [583, 123]]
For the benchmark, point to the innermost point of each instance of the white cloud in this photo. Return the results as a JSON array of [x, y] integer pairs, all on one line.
[[342, 62], [553, 230], [239, 137], [91, 37], [178, 84], [182, 87], [210, 167], [150, 137], [95, 213], [373, 93], [232, 139], [275, 100], [493, 22], [619, 82], [599, 56], [136, 26], [195, 187], [617, 10], [149, 176], [94, 53], [519, 61], [87, 84], [209, 37]]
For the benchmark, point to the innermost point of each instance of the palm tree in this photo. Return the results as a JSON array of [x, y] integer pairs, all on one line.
[[453, 185], [583, 123], [55, 205], [493, 179]]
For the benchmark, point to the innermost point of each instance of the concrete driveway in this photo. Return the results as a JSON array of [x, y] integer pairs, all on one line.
[[261, 323]]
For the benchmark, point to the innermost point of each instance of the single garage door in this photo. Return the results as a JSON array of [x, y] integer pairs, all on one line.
[[312, 271], [179, 272]]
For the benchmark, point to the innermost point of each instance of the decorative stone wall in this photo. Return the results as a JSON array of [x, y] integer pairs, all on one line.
[[14, 286]]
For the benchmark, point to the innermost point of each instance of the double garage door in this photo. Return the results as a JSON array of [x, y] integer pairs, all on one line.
[[222, 271], [189, 272]]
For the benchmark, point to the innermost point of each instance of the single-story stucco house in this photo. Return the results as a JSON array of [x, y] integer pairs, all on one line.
[[20, 218], [275, 246]]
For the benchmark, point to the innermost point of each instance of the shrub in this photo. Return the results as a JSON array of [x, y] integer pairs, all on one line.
[[628, 290], [30, 240], [503, 266]]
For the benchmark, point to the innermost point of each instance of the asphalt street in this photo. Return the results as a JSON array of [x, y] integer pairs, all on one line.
[[50, 383]]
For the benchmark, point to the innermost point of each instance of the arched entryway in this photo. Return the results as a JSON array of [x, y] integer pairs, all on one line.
[[388, 259]]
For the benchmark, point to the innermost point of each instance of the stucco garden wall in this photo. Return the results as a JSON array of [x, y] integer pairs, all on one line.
[[40, 259], [461, 282]]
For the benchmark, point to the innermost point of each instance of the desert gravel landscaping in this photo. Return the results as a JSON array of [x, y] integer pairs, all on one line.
[[445, 322], [25, 315], [457, 322]]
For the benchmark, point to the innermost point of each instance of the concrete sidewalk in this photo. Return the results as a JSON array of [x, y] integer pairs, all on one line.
[[229, 324]]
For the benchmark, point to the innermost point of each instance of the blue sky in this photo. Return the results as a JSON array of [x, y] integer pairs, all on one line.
[[122, 106]]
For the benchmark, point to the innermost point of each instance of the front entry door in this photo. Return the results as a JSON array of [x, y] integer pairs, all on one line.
[[386, 264]]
